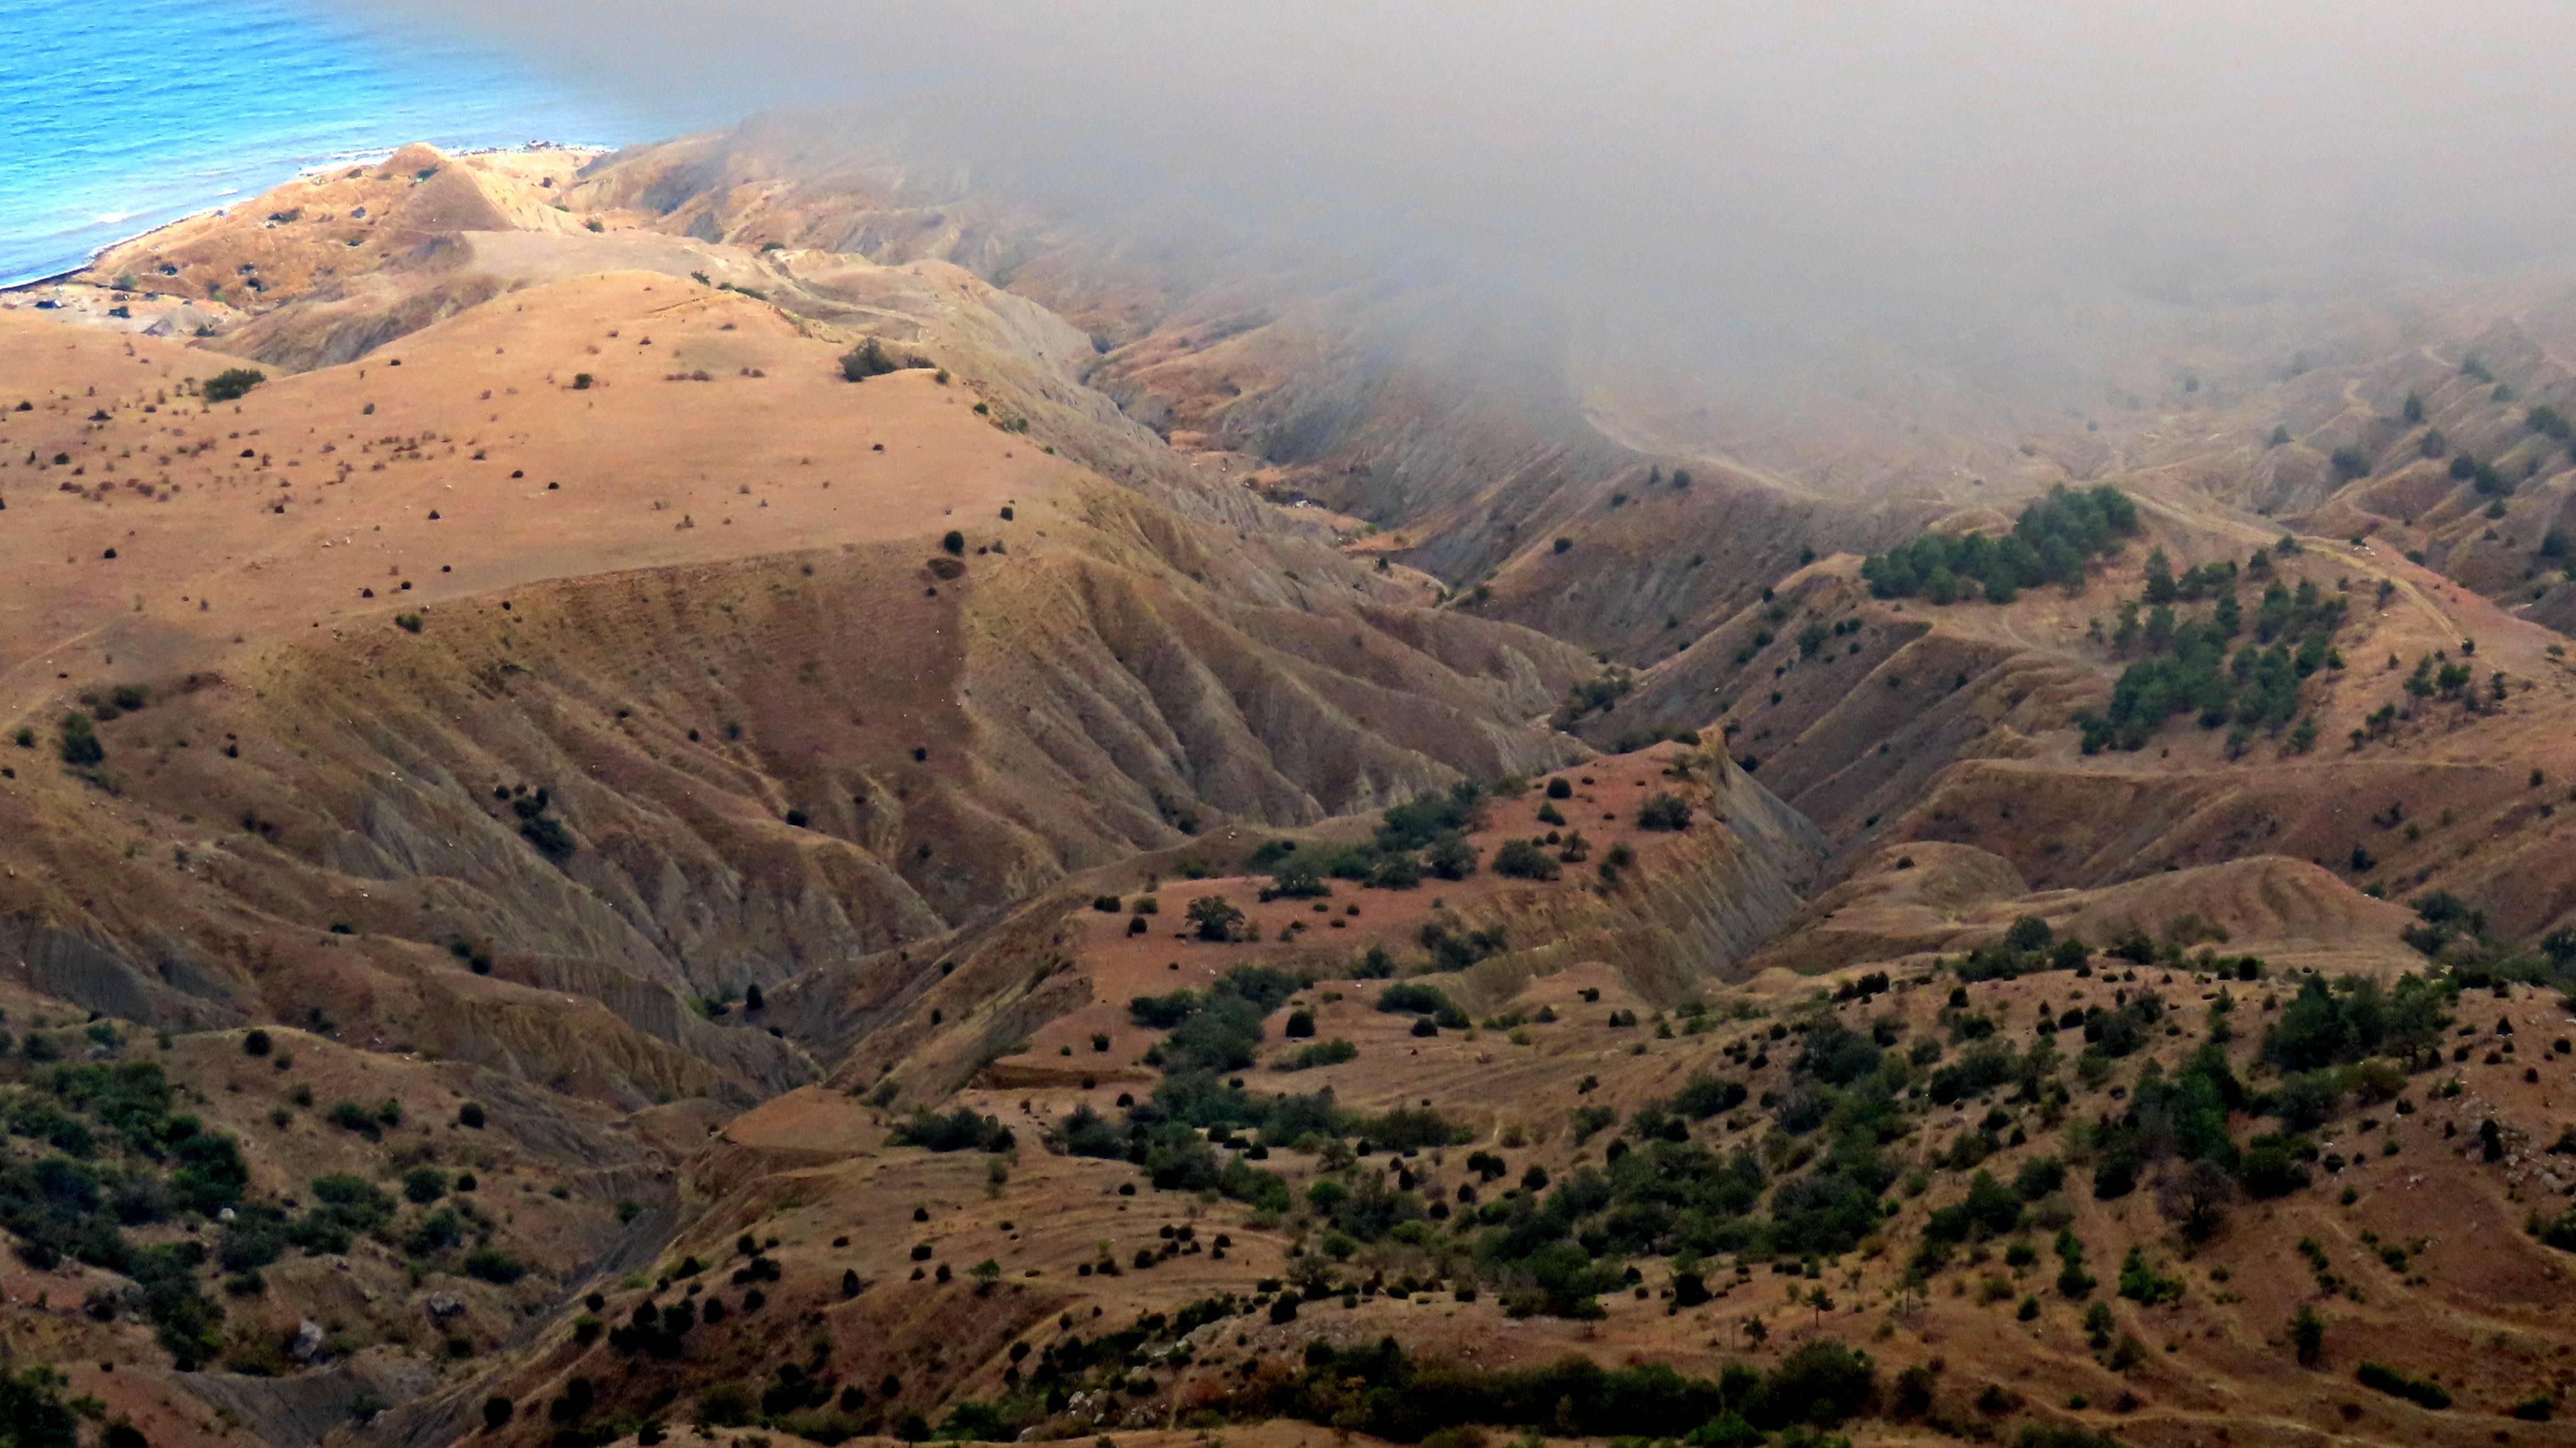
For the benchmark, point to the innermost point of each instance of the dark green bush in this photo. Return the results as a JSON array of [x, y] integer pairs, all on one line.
[[1989, 1210], [31, 1404], [1213, 917], [2061, 1435], [1322, 1053], [2356, 1017], [2307, 1336], [232, 384], [80, 747], [1416, 999], [871, 359], [959, 1130], [1704, 1096], [2050, 543], [1382, 1391], [352, 1117], [1522, 860], [2419, 1391], [490, 1264], [1664, 812]]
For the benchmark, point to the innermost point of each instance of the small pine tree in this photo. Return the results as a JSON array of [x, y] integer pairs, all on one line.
[[2307, 1336], [2160, 580]]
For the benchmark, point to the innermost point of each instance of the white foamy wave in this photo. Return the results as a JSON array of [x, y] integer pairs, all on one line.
[[114, 218], [333, 161]]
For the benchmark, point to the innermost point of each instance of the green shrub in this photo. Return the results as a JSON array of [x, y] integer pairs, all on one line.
[[1380, 1390], [80, 746], [1522, 860], [1220, 1031], [2357, 1017], [1820, 1382], [1418, 823], [31, 1404], [232, 384], [871, 359], [2558, 1231], [959, 1130], [1704, 1096], [2038, 1177], [2061, 1435], [1395, 872], [2272, 1166], [490, 1264], [352, 1117], [1162, 1012], [544, 831], [1989, 1209], [344, 1207], [1322, 1053], [1215, 918], [1597, 694], [1450, 857], [2307, 1336], [2141, 1283], [1416, 999], [1664, 812], [2419, 1391]]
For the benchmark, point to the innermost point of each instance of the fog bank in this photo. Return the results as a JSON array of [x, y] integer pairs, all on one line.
[[1729, 176]]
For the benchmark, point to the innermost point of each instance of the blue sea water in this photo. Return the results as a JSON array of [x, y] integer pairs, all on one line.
[[116, 118]]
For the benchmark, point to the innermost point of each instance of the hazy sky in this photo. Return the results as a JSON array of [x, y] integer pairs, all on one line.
[[1745, 167]]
